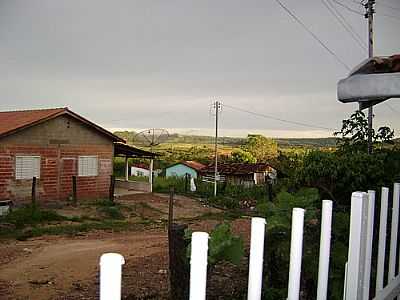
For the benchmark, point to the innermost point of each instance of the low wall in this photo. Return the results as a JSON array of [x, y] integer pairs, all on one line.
[[133, 185]]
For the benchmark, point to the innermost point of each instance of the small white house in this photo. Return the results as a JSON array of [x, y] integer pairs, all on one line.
[[141, 170]]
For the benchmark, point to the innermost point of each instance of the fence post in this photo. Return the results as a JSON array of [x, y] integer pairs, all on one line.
[[382, 239], [256, 258], [112, 188], [357, 244], [74, 194], [178, 267], [368, 248], [324, 250], [110, 276], [393, 235], [296, 250], [171, 207], [33, 191], [198, 266]]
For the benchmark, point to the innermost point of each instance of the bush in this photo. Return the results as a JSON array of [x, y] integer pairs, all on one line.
[[30, 215]]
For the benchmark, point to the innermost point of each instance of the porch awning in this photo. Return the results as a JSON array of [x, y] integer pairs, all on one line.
[[125, 150], [373, 81]]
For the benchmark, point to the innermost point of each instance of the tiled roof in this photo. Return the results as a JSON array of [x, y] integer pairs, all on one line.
[[237, 168], [378, 64], [193, 164], [13, 121]]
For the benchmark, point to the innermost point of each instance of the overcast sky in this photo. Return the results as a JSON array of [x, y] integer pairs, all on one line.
[[144, 64]]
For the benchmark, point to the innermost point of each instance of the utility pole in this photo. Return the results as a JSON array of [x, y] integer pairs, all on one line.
[[369, 14], [217, 107]]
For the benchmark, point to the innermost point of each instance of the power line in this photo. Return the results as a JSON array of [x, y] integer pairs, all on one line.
[[347, 22], [278, 119], [348, 8], [345, 25], [313, 35]]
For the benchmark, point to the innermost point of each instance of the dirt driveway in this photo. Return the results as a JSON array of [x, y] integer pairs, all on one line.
[[60, 267]]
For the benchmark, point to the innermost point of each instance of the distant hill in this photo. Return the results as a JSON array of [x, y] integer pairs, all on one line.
[[231, 141]]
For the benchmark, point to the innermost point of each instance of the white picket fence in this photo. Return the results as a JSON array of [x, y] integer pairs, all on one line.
[[358, 268]]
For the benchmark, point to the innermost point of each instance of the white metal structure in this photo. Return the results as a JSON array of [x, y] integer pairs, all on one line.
[[357, 285], [358, 268]]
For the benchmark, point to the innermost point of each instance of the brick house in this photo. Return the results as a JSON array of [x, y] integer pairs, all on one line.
[[54, 145]]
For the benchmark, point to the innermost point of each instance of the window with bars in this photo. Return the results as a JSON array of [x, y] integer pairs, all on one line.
[[88, 165], [27, 167]]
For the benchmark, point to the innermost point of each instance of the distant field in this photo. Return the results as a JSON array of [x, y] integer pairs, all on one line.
[[184, 142]]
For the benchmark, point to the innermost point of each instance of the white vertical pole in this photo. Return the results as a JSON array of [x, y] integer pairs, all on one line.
[[296, 250], [357, 242], [151, 175], [393, 237], [382, 239], [368, 248], [256, 258], [324, 250], [110, 276], [126, 169], [345, 281], [198, 266]]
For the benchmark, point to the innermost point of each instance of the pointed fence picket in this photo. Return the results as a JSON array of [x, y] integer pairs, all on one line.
[[357, 270]]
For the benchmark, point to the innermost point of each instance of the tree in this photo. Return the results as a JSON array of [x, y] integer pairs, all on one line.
[[262, 148], [239, 155], [354, 134]]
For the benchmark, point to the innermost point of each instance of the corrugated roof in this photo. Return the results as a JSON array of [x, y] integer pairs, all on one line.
[[237, 168], [193, 164], [13, 121], [121, 149]]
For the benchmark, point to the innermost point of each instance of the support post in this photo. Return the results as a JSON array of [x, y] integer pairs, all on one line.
[[74, 193], [324, 250], [171, 208], [256, 259], [34, 191], [126, 168], [217, 106], [111, 276], [369, 6], [178, 267], [112, 188], [296, 251], [198, 266], [151, 175], [357, 244]]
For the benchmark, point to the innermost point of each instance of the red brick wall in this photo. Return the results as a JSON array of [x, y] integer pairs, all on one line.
[[58, 165]]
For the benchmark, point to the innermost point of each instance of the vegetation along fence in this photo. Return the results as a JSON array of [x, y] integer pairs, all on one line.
[[358, 267]]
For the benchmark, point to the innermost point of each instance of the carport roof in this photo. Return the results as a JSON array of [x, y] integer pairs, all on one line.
[[121, 149]]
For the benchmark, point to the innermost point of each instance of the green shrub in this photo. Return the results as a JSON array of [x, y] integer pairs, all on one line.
[[30, 215], [112, 212], [223, 245]]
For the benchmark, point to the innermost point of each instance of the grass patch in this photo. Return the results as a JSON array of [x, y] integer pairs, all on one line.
[[30, 215], [71, 229], [112, 212]]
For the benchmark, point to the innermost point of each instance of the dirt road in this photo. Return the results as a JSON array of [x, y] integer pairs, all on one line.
[[61, 267]]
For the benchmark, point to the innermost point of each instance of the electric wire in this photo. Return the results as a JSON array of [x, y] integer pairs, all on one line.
[[278, 119], [348, 8], [345, 25], [313, 35]]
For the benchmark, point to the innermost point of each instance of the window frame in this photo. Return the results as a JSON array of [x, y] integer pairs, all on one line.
[[32, 172], [88, 174]]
